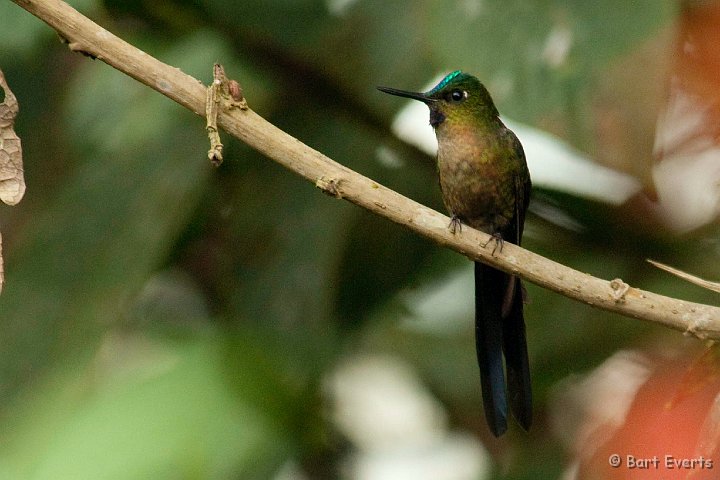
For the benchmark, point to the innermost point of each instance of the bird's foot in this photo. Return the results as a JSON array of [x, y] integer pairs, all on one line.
[[498, 239], [455, 224]]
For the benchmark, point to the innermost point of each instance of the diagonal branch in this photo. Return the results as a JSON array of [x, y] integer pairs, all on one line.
[[86, 37]]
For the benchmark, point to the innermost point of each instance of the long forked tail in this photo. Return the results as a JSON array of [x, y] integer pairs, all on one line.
[[500, 327], [516, 356], [489, 295]]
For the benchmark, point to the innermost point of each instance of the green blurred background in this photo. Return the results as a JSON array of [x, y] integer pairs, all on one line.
[[165, 319]]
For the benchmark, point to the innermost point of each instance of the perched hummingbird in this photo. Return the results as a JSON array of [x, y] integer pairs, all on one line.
[[485, 184]]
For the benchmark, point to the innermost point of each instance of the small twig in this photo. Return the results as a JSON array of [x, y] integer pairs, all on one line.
[[212, 103], [223, 93], [714, 286]]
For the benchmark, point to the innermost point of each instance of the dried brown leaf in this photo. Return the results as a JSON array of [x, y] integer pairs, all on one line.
[[12, 181]]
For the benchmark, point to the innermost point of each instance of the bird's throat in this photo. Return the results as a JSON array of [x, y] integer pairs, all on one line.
[[436, 117]]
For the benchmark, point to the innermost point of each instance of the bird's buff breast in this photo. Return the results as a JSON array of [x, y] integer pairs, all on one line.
[[474, 187]]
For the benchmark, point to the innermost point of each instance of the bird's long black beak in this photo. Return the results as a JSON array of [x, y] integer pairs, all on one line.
[[402, 93]]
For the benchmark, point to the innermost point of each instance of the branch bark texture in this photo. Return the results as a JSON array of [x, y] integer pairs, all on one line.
[[85, 36]]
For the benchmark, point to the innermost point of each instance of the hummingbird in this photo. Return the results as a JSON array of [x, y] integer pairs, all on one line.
[[485, 184]]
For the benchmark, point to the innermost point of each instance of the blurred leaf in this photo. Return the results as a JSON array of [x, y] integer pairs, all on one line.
[[173, 417], [537, 56]]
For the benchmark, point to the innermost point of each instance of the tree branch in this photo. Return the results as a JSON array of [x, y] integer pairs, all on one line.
[[86, 37]]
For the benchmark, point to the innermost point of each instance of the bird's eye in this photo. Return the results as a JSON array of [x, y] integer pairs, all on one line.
[[457, 96]]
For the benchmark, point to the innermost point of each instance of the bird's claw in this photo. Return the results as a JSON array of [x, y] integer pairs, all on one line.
[[498, 239], [455, 224]]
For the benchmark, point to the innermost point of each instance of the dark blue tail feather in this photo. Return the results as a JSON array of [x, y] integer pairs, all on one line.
[[496, 334], [489, 344], [516, 360]]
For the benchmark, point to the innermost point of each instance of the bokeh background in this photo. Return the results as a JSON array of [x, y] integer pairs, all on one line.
[[165, 319]]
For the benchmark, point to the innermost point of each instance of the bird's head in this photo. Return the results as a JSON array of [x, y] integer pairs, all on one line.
[[458, 98]]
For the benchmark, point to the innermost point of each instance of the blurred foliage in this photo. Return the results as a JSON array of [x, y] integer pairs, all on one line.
[[163, 319]]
